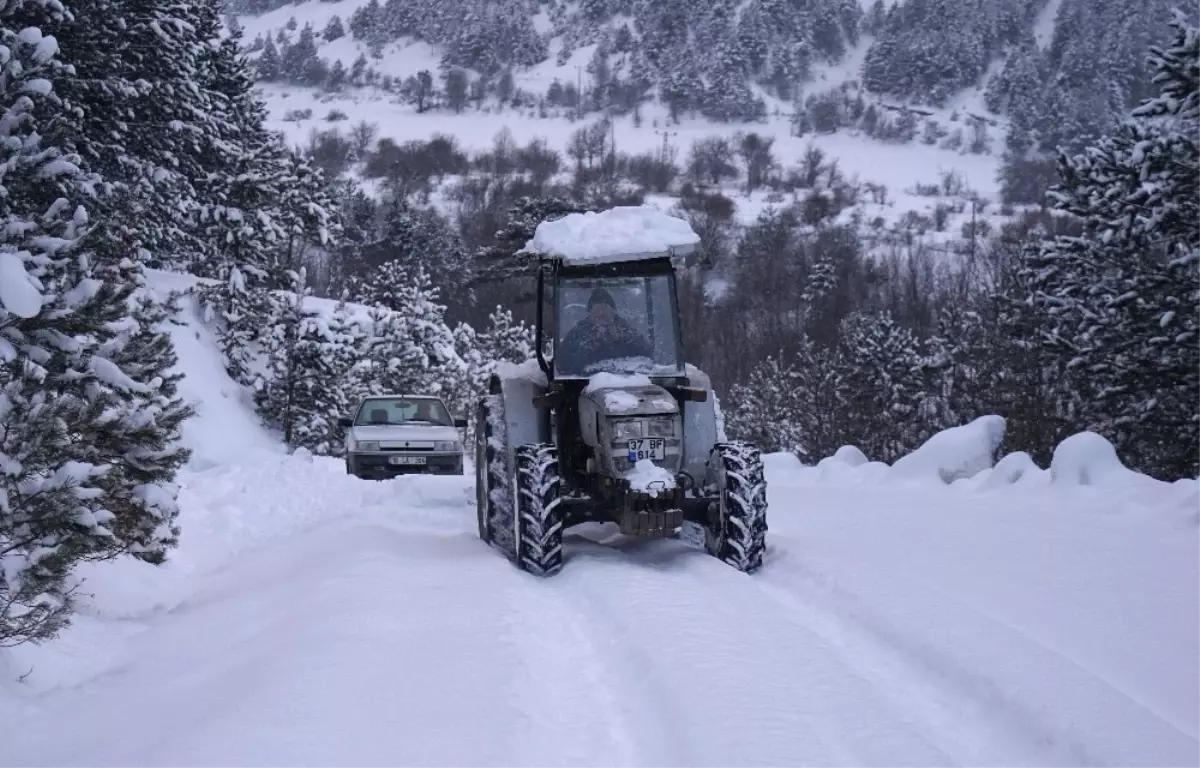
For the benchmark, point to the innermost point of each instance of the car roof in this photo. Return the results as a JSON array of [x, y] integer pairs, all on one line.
[[402, 397]]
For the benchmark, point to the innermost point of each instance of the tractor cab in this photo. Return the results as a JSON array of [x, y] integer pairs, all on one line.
[[619, 318]]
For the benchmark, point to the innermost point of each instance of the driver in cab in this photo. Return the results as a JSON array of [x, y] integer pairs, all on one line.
[[602, 335]]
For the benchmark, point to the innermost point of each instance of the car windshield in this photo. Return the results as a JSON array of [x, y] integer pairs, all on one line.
[[403, 410], [616, 325]]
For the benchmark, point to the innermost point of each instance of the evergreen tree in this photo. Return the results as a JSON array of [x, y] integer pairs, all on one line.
[[1121, 300], [505, 339], [266, 66], [266, 205], [410, 345], [144, 445], [301, 393], [143, 123], [333, 29], [275, 390], [879, 379], [345, 340], [765, 409], [87, 444], [337, 76]]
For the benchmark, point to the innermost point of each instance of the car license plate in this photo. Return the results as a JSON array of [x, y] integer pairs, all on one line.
[[647, 448], [408, 461]]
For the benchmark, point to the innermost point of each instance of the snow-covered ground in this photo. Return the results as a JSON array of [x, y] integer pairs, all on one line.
[[312, 618]]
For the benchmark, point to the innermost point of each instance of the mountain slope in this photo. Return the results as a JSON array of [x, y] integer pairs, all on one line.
[[957, 140]]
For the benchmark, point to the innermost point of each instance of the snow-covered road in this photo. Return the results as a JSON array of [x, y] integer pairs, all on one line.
[[314, 619]]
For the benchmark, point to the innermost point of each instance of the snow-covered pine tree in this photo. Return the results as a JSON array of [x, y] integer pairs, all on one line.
[[292, 393], [143, 442], [1120, 302], [308, 211], [765, 410], [263, 204], [504, 339], [880, 386], [410, 346], [395, 363], [75, 420], [961, 368], [343, 351], [144, 123]]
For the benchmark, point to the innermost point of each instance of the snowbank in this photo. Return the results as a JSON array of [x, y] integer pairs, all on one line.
[[847, 466], [1015, 469], [849, 455], [782, 461], [1088, 459], [952, 454], [225, 428], [624, 233]]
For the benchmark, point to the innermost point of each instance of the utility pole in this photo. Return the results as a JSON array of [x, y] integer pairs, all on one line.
[[578, 91], [612, 143], [665, 145]]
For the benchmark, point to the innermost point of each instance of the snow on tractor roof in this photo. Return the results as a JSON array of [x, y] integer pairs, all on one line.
[[624, 233]]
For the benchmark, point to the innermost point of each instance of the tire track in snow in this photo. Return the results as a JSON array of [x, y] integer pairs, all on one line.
[[740, 684], [570, 713], [977, 729], [968, 712]]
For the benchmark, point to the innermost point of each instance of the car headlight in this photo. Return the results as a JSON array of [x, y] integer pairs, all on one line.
[[624, 430], [447, 446], [661, 427], [370, 445]]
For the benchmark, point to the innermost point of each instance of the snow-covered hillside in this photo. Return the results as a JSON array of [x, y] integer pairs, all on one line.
[[911, 173], [1018, 617]]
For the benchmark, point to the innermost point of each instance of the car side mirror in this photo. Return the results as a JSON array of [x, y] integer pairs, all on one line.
[[345, 423], [460, 423]]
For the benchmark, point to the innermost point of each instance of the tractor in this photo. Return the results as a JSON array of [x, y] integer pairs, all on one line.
[[614, 427]]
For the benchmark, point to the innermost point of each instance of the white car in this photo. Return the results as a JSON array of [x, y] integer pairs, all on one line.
[[393, 435]]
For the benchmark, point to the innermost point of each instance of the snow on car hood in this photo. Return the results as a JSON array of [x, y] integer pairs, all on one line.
[[404, 433]]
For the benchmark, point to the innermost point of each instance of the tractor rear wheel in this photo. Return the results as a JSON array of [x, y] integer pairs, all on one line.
[[736, 533], [539, 509], [493, 485]]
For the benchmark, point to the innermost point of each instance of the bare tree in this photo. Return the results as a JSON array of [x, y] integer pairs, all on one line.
[[711, 161], [362, 137], [418, 89], [455, 86], [758, 157]]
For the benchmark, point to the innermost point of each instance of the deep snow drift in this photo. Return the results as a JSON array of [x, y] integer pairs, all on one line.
[[1021, 616]]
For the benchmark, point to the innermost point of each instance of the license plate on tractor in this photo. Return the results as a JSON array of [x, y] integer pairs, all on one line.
[[647, 448], [407, 461]]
